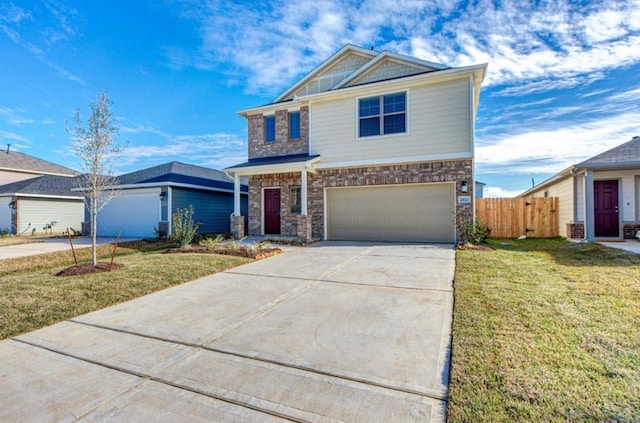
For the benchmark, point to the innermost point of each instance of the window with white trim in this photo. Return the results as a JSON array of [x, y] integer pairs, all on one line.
[[382, 115]]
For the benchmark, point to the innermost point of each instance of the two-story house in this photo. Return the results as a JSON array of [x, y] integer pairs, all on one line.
[[368, 146]]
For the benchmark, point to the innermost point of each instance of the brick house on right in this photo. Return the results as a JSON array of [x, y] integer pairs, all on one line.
[[599, 197], [368, 146]]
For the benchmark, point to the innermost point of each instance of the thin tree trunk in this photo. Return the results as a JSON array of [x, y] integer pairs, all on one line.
[[94, 241]]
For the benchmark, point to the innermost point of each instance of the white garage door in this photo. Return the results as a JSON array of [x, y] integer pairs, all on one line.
[[136, 212], [413, 213]]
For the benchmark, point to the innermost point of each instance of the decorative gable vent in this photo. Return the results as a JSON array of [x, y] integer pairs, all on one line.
[[323, 83]]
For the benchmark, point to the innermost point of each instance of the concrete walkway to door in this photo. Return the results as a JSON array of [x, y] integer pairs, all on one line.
[[331, 332]]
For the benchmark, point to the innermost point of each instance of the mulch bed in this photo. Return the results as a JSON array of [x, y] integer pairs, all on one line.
[[87, 268], [474, 247], [238, 252]]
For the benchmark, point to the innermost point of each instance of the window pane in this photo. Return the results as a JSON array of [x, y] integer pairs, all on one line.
[[394, 124], [294, 125], [369, 127], [369, 106], [295, 199], [270, 128], [394, 103]]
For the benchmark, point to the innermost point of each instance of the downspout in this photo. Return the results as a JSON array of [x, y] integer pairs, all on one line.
[[169, 209]]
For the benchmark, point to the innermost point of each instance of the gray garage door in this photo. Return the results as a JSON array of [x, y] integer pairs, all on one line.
[[413, 213]]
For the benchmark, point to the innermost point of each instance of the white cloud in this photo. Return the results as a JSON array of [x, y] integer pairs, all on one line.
[[548, 44], [13, 136], [543, 151], [497, 192]]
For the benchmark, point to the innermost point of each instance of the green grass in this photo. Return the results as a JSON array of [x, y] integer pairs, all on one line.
[[544, 331], [31, 297]]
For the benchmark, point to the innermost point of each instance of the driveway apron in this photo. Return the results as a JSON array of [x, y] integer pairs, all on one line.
[[333, 332]]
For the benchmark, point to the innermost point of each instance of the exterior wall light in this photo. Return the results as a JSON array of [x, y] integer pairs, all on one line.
[[464, 187], [12, 204], [163, 195]]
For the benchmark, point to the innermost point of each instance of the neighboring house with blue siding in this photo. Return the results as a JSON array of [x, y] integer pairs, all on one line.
[[145, 200]]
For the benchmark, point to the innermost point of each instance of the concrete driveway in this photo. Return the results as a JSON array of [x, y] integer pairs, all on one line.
[[49, 245], [334, 332]]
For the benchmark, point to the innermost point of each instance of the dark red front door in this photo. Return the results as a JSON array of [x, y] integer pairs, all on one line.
[[605, 199], [272, 211]]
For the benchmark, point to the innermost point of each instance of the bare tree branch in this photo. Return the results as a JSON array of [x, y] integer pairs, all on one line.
[[96, 146]]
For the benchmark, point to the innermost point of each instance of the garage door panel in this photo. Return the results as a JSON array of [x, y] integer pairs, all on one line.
[[416, 213], [136, 213]]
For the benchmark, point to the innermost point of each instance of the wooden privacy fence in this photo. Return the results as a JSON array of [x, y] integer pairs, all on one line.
[[512, 217]]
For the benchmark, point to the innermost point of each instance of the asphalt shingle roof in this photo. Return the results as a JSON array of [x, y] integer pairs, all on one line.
[[178, 173], [627, 153], [43, 185], [20, 161], [264, 161]]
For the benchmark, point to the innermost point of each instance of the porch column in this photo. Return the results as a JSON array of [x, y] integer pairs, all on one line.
[[237, 220], [236, 195], [589, 219], [303, 193]]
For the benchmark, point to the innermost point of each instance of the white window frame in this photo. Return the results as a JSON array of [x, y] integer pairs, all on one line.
[[407, 127]]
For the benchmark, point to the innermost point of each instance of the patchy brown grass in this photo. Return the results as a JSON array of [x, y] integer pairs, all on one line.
[[544, 331]]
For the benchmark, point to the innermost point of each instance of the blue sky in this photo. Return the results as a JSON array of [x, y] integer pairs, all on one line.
[[563, 81]]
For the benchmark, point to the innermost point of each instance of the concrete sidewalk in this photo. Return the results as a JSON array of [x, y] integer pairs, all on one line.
[[49, 245], [331, 332]]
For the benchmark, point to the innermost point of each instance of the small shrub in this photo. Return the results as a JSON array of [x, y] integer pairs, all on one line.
[[211, 243], [184, 227], [473, 230], [4, 232], [235, 245], [159, 234]]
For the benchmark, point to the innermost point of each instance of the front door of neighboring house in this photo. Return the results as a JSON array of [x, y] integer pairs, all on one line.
[[272, 210], [605, 201]]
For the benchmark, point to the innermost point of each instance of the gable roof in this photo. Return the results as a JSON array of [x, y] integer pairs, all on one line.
[[178, 173], [354, 70], [332, 60], [627, 154], [16, 161], [45, 186], [352, 67], [623, 156]]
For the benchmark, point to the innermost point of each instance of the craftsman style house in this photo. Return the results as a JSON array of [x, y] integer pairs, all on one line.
[[368, 146]]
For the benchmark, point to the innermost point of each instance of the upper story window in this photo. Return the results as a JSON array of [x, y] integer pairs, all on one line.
[[294, 125], [270, 128], [382, 115]]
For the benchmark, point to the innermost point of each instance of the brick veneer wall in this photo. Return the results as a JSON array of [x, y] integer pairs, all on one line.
[[444, 171], [283, 145], [575, 230]]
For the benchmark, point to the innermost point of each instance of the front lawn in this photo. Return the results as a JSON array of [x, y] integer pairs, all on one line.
[[31, 297], [545, 331]]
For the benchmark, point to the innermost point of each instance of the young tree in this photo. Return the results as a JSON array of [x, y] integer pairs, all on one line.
[[96, 146]]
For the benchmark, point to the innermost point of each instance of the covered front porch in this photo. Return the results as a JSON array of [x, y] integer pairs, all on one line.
[[278, 197]]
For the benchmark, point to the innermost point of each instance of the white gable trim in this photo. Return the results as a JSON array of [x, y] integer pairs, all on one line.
[[324, 65], [385, 56]]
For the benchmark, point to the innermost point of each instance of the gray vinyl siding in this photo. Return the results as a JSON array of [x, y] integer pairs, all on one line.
[[211, 208]]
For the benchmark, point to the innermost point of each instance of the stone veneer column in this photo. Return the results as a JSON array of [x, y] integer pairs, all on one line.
[[304, 228], [237, 227]]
